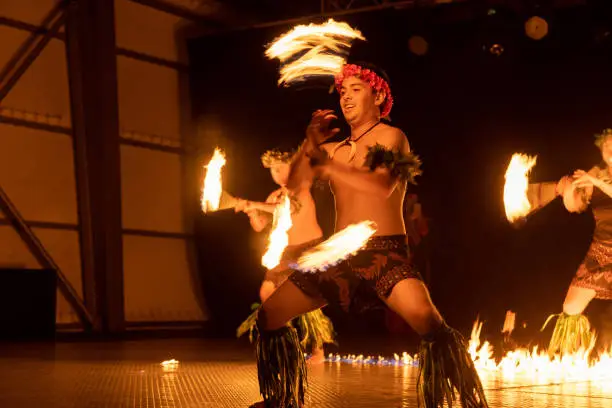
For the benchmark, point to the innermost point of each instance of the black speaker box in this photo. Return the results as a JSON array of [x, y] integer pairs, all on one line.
[[27, 304]]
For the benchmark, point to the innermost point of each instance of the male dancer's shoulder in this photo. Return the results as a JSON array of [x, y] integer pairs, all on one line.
[[392, 138]]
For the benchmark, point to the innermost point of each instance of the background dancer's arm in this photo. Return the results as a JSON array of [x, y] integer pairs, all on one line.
[[258, 220], [380, 181], [300, 172], [260, 214], [575, 194], [591, 179]]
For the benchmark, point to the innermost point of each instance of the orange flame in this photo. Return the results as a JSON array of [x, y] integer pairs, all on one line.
[[537, 365], [278, 239], [169, 365], [516, 202], [520, 364], [213, 185], [509, 322], [338, 247], [324, 42]]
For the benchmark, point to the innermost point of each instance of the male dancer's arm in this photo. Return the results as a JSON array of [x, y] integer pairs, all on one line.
[[380, 181], [301, 173], [590, 179]]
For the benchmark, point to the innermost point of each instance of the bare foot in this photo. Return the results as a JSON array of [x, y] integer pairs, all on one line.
[[318, 356]]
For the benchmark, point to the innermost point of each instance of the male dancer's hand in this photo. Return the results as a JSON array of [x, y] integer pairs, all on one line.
[[318, 130]]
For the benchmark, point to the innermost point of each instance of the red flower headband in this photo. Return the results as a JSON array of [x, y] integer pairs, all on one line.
[[369, 76]]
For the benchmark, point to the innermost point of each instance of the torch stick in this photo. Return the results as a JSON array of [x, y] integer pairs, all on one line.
[[539, 196], [226, 202]]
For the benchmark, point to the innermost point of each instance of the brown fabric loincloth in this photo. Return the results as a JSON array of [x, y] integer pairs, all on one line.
[[595, 272], [379, 267], [282, 271]]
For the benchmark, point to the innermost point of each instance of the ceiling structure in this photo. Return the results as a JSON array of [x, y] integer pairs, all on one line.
[[234, 14]]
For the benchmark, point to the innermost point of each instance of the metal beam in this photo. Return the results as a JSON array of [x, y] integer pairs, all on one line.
[[326, 12], [44, 259], [25, 56], [62, 226], [35, 125], [177, 11], [69, 132], [92, 72], [125, 52], [29, 42]]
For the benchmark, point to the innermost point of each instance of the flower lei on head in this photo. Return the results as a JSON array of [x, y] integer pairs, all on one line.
[[600, 138], [274, 157], [367, 75]]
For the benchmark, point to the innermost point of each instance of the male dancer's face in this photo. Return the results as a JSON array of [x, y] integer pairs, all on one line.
[[359, 102], [280, 173]]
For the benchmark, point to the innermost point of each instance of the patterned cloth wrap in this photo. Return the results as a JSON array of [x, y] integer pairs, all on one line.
[[376, 269]]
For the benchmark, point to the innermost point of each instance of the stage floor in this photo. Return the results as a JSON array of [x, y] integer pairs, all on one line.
[[215, 373]]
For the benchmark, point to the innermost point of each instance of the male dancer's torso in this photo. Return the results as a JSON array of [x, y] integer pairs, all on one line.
[[305, 227], [354, 206]]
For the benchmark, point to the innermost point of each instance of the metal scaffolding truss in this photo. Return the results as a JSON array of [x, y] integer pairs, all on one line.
[[335, 7]]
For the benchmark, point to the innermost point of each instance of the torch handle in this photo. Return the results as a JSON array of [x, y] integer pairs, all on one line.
[[226, 202], [539, 195]]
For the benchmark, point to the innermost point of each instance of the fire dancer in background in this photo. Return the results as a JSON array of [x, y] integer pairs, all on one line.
[[368, 172], [417, 231], [304, 234], [594, 276]]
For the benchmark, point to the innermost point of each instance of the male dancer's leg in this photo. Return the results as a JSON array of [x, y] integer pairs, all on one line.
[[444, 362], [280, 361], [410, 299]]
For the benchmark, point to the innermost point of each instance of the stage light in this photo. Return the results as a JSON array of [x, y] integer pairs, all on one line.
[[496, 49], [536, 28], [418, 45]]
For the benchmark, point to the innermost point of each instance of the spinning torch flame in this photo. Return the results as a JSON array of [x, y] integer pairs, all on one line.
[[337, 248], [517, 182], [213, 186], [278, 240], [327, 44]]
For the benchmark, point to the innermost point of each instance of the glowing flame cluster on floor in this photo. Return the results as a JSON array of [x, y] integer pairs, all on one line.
[[516, 201], [404, 359], [278, 239], [336, 248], [213, 182], [531, 366], [169, 365], [312, 50], [537, 363]]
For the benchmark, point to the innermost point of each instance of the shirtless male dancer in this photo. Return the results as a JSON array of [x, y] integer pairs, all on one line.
[[305, 233], [374, 192]]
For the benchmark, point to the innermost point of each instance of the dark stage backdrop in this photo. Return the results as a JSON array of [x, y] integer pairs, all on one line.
[[465, 112]]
